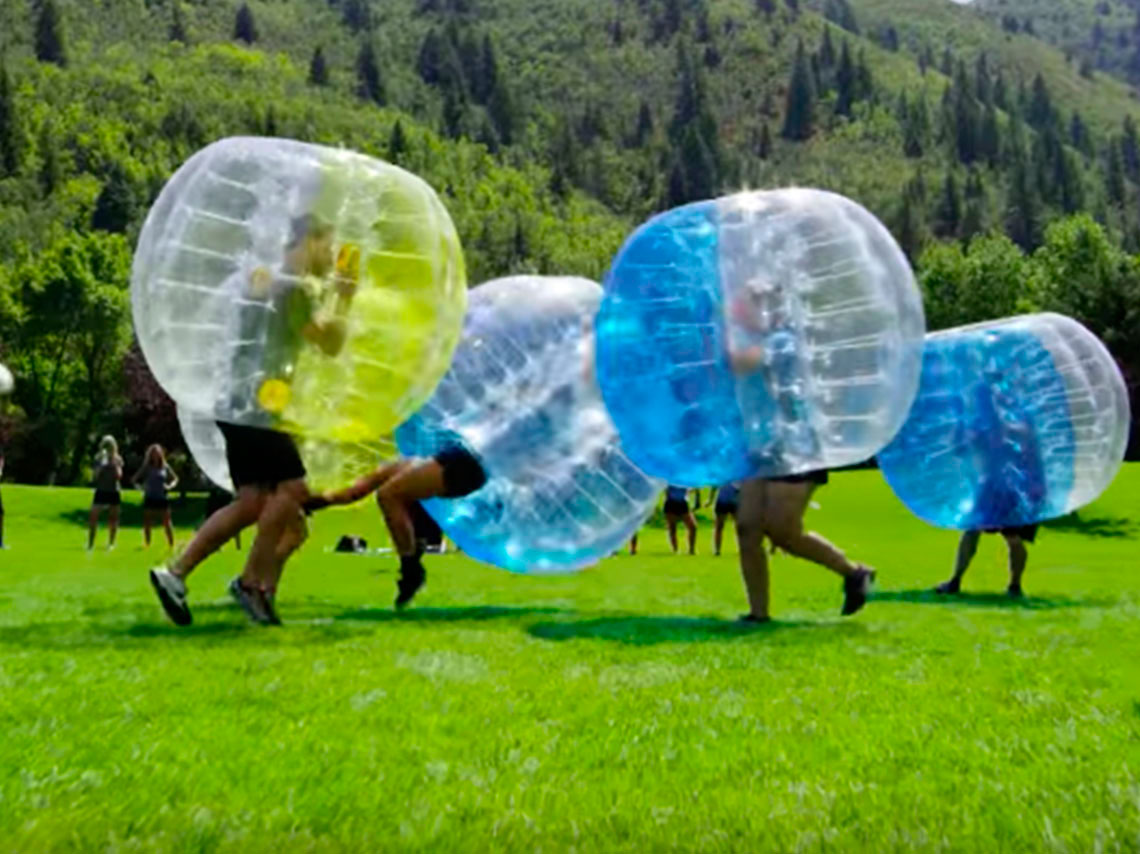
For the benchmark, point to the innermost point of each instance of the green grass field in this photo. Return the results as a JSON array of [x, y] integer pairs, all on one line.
[[617, 710]]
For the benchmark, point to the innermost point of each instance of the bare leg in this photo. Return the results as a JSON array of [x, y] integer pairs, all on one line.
[[296, 532], [368, 484], [280, 510], [168, 526], [113, 524], [1018, 557], [967, 548], [227, 523], [671, 523], [1, 530], [146, 527], [237, 541], [92, 525], [633, 545], [414, 481], [784, 514], [750, 539], [691, 525], [718, 533]]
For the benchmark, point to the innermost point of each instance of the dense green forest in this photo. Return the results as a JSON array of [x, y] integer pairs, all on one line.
[[1006, 162]]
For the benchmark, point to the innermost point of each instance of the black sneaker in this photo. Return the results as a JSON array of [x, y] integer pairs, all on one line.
[[949, 588], [268, 604], [856, 587], [752, 618], [171, 592], [412, 578], [1014, 592], [249, 600]]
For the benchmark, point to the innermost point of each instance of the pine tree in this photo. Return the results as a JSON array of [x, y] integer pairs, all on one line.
[[826, 49], [370, 85], [357, 15], [911, 232], [966, 124], [948, 214], [916, 130], [1022, 212], [1130, 149], [178, 24], [1067, 180], [503, 112], [49, 35], [9, 127], [454, 112], [49, 161], [799, 115], [1079, 135], [1114, 175], [429, 64], [947, 67], [115, 205], [1039, 112], [1000, 96], [397, 142], [489, 72], [977, 203], [245, 28], [989, 137], [318, 68], [764, 144], [844, 82], [486, 136], [982, 82], [643, 130]]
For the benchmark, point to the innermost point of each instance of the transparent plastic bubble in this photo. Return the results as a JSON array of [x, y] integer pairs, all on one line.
[[1016, 421], [765, 333], [286, 285], [522, 396], [7, 382], [328, 465]]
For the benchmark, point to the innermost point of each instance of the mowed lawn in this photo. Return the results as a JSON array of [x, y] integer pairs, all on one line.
[[621, 709]]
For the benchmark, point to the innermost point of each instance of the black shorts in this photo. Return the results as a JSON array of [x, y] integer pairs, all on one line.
[[107, 498], [462, 471], [260, 457], [1028, 533], [726, 509], [156, 503], [676, 507], [818, 477]]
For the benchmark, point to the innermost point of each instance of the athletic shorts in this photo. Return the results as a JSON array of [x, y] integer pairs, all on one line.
[[676, 507], [726, 509], [818, 477], [1028, 533], [260, 457], [156, 503], [107, 498], [462, 471]]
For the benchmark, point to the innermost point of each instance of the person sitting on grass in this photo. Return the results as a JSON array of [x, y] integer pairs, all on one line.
[[774, 509], [157, 479]]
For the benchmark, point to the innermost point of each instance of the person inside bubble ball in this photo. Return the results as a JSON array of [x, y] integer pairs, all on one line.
[[453, 472], [285, 313], [774, 509], [1016, 490]]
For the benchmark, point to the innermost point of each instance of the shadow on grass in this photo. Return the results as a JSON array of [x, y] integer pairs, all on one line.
[[646, 631], [188, 514], [990, 600], [1102, 527], [474, 614]]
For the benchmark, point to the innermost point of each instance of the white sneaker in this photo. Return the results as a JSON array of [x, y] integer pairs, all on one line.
[[171, 592]]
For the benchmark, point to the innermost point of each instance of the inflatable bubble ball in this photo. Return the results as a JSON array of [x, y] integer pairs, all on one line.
[[521, 395], [760, 334], [286, 285], [1016, 421]]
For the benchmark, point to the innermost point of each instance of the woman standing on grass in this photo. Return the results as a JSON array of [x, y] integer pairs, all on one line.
[[157, 479], [108, 473], [775, 509], [726, 503], [677, 511]]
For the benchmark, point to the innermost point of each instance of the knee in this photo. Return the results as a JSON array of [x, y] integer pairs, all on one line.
[[783, 536], [750, 534]]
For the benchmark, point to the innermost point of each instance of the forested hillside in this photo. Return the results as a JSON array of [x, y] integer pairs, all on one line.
[[550, 127]]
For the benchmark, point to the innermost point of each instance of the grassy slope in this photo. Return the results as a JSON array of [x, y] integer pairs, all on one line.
[[613, 710]]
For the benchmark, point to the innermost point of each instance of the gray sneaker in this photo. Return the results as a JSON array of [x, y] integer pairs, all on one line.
[[171, 592], [250, 601]]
